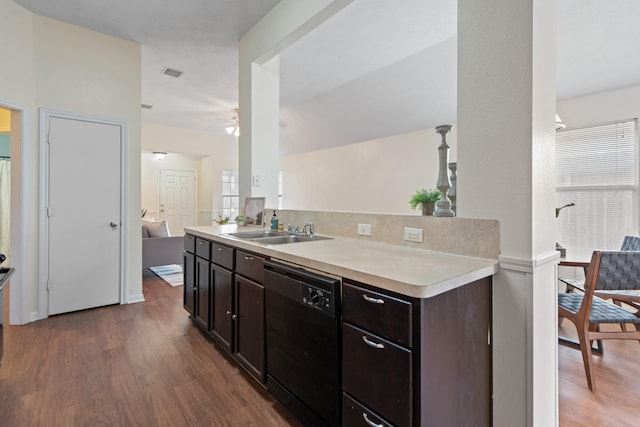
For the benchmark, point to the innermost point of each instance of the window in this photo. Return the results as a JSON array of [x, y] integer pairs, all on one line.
[[597, 169], [230, 195]]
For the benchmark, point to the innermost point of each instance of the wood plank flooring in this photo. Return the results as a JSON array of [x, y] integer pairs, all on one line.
[[616, 401], [142, 364], [147, 365]]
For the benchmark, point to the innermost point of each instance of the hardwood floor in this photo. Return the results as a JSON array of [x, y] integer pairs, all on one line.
[[142, 364], [147, 365], [616, 401]]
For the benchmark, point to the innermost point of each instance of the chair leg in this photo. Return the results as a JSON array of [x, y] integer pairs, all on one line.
[[599, 347], [585, 348]]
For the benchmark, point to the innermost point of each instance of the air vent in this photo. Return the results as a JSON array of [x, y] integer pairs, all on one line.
[[171, 72], [146, 106]]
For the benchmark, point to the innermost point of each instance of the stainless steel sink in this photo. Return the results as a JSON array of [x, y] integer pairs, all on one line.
[[257, 234], [269, 237], [289, 238]]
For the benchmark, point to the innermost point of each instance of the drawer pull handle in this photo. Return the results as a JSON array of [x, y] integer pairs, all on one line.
[[248, 258], [373, 300], [371, 343], [201, 243], [371, 423], [220, 249]]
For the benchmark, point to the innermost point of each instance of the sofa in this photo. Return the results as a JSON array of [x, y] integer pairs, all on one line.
[[159, 247]]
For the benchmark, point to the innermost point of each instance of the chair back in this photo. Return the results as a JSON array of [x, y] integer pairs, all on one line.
[[630, 243], [617, 270]]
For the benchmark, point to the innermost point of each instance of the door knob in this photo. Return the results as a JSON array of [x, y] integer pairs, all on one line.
[[113, 224]]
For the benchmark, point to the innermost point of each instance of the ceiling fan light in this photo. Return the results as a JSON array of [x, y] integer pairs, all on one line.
[[230, 129], [159, 155]]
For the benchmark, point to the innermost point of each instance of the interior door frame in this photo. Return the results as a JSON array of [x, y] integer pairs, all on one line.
[[43, 272]]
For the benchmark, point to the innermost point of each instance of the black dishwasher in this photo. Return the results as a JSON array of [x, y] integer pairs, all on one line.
[[302, 311]]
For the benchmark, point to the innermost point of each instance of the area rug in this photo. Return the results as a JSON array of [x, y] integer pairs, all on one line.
[[172, 274]]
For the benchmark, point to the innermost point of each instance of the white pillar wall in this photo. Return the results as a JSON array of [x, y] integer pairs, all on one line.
[[259, 93], [506, 135]]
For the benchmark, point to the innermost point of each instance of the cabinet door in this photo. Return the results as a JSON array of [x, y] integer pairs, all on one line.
[[203, 302], [189, 296], [222, 315], [249, 322], [378, 373]]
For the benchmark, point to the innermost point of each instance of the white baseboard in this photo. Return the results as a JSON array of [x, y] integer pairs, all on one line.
[[132, 299]]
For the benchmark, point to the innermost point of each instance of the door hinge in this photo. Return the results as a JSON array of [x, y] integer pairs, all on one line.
[[48, 212], [48, 284], [49, 138]]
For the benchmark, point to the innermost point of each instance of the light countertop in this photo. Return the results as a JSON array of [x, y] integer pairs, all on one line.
[[413, 272], [5, 275]]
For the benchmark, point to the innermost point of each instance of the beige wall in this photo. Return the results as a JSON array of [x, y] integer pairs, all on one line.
[[67, 69], [377, 176], [206, 153]]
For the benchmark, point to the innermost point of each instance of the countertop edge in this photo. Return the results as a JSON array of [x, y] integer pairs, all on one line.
[[482, 267], [5, 278]]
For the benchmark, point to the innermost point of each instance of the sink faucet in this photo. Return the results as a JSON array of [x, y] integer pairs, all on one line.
[[311, 229]]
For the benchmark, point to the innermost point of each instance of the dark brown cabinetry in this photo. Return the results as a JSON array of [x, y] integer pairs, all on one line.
[[201, 314], [223, 313], [223, 292], [416, 362], [201, 287], [249, 309], [221, 277], [189, 265], [405, 361]]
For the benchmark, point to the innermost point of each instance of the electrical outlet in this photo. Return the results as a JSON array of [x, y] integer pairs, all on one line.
[[256, 180], [414, 234], [364, 229]]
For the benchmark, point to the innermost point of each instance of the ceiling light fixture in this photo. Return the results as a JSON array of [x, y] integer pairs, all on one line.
[[159, 155], [559, 123]]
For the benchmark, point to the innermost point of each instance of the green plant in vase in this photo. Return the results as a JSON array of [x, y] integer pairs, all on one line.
[[425, 199]]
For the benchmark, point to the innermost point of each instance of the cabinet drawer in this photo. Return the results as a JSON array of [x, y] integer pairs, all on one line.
[[222, 255], [355, 414], [189, 243], [249, 265], [381, 314], [378, 373], [203, 248]]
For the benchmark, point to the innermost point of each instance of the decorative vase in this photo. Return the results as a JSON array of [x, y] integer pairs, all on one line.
[[443, 207], [452, 191], [428, 207]]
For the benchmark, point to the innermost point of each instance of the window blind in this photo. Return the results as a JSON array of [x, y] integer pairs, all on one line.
[[597, 169]]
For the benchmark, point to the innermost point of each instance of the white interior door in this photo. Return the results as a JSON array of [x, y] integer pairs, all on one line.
[[178, 199], [84, 209]]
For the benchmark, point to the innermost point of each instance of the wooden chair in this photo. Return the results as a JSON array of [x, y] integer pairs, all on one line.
[[608, 271], [630, 243]]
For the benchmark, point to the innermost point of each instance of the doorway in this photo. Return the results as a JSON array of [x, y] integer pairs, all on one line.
[[83, 197]]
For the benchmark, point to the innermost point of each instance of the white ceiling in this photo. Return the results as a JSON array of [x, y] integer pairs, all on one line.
[[378, 68]]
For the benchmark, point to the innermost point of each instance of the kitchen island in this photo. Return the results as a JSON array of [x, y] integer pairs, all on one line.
[[415, 324]]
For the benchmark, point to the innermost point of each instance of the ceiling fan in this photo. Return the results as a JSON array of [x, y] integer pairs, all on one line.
[[232, 127]]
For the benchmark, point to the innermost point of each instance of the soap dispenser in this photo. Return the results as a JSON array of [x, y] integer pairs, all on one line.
[[274, 221]]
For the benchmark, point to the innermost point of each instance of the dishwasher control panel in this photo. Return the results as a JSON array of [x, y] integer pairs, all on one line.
[[317, 298]]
